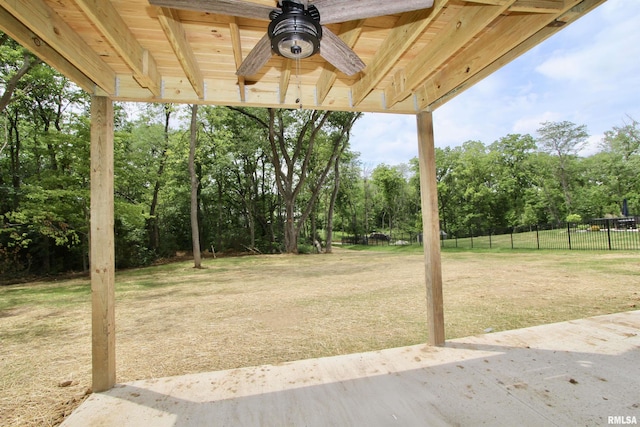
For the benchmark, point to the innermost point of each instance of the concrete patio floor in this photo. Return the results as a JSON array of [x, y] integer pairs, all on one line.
[[578, 373]]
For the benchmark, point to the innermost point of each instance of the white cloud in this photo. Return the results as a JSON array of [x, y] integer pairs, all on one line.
[[604, 58], [592, 146], [385, 138], [531, 124]]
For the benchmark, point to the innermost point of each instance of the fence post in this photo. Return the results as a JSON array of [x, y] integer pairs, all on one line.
[[471, 234], [490, 245], [609, 232], [569, 233], [511, 234], [538, 236]]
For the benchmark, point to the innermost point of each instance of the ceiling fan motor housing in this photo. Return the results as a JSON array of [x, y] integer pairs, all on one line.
[[294, 31]]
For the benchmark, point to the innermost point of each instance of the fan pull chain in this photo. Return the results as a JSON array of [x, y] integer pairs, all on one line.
[[299, 84]]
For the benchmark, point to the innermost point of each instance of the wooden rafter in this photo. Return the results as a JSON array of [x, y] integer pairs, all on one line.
[[27, 38], [177, 37], [105, 17], [462, 27], [537, 6], [544, 33], [409, 26], [506, 35], [237, 53], [491, 2], [55, 32], [285, 76]]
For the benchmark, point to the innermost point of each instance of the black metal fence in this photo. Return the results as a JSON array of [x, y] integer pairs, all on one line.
[[381, 239], [596, 234]]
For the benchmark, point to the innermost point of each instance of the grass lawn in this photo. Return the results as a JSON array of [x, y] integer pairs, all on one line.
[[172, 319]]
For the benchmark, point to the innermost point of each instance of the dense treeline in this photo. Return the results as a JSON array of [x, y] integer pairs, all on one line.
[[266, 180], [521, 180]]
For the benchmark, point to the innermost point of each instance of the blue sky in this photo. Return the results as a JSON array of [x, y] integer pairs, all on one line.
[[588, 73]]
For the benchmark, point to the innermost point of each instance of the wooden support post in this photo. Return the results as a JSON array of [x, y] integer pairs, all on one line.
[[102, 246], [430, 228]]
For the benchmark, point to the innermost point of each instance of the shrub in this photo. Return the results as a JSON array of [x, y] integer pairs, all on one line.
[[306, 249], [574, 218], [595, 228]]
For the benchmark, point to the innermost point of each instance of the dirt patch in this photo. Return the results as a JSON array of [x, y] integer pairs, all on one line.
[[173, 320]]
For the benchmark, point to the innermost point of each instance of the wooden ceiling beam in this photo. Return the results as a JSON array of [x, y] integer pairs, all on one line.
[[237, 53], [491, 2], [104, 16], [577, 11], [537, 38], [349, 33], [39, 18], [259, 94], [537, 6], [510, 32], [408, 28], [285, 77], [177, 37], [463, 27], [27, 38]]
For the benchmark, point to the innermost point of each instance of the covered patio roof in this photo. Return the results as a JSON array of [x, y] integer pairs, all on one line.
[[131, 50]]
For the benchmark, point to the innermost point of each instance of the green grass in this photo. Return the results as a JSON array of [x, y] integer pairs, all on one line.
[[249, 311], [403, 249], [58, 295]]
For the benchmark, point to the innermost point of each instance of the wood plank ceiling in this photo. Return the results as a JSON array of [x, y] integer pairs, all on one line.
[[130, 50]]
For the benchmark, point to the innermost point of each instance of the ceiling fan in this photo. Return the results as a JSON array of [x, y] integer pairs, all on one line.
[[297, 27]]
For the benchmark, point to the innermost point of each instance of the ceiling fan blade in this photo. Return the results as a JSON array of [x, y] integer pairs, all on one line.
[[332, 11], [338, 54], [257, 58], [239, 8]]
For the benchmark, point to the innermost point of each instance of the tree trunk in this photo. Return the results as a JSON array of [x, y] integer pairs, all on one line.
[[152, 226], [14, 154], [195, 232], [29, 62], [290, 229], [291, 158], [332, 203], [334, 193]]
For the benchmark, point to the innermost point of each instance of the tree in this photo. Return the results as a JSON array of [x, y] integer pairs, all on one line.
[[449, 196], [563, 140], [16, 63], [478, 185], [293, 136], [240, 198], [159, 151], [43, 178], [334, 194], [623, 140], [392, 185], [511, 159], [621, 162], [195, 234]]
